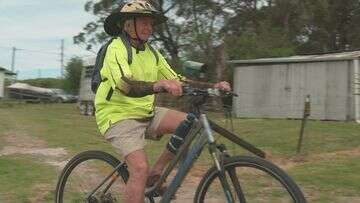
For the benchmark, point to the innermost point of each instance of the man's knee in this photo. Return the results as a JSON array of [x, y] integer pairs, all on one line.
[[137, 163], [170, 121]]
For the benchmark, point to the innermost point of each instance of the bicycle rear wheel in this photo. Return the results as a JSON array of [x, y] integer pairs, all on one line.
[[251, 179], [83, 173]]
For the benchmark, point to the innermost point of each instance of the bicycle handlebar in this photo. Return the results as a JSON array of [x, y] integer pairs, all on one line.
[[192, 91]]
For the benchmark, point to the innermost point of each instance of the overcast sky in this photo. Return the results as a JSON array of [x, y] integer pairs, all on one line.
[[37, 27]]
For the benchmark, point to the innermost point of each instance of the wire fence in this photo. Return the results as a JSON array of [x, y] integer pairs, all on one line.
[[330, 107]]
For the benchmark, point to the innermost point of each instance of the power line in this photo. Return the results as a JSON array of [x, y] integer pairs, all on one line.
[[63, 58], [40, 51], [32, 50], [51, 52]]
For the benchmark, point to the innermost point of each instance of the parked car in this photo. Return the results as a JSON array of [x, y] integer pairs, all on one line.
[[29, 93], [60, 96]]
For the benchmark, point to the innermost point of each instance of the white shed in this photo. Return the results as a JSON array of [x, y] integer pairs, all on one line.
[[277, 87]]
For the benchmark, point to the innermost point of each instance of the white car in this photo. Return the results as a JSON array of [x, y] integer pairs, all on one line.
[[60, 96]]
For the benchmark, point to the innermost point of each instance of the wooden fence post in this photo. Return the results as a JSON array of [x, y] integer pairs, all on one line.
[[307, 109]]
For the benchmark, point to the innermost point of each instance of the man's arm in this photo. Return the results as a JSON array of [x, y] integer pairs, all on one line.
[[142, 88], [136, 88]]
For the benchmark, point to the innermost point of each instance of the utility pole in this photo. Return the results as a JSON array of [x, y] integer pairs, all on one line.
[[62, 58], [13, 59], [39, 73]]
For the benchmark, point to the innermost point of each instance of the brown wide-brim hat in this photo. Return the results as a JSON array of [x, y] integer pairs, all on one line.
[[114, 22]]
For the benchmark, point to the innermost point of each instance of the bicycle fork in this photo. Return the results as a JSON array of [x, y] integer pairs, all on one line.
[[218, 158]]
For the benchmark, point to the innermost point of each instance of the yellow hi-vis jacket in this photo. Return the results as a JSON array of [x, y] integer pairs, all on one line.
[[143, 68]]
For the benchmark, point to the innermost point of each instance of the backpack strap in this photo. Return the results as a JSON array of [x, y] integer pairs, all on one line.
[[155, 53], [102, 53], [127, 44], [99, 62]]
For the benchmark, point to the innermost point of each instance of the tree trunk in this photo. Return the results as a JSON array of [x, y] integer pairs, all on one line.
[[220, 62]]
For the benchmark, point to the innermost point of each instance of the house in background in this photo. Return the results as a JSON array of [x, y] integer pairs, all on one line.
[[277, 87], [6, 77]]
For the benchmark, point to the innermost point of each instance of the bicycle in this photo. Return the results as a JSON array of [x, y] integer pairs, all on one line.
[[229, 180]]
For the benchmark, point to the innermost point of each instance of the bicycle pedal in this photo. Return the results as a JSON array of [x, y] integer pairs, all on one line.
[[160, 192]]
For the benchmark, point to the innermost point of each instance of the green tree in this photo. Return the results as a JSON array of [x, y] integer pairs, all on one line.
[[73, 75], [166, 35], [249, 28], [331, 26]]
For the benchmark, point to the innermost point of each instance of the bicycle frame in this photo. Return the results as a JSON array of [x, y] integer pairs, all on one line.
[[201, 130], [205, 136]]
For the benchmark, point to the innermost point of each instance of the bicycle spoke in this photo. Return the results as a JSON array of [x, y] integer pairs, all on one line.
[[86, 177], [261, 187], [248, 184]]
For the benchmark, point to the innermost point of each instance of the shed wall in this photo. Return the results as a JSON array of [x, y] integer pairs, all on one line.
[[279, 90]]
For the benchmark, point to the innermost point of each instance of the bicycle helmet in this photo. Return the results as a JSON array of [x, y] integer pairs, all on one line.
[[130, 10]]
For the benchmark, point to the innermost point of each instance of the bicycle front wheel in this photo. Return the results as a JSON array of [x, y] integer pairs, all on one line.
[[251, 179], [85, 172]]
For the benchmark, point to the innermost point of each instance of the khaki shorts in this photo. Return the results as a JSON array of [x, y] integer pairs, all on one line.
[[129, 135]]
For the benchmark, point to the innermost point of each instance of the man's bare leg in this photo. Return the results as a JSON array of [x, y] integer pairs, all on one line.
[[138, 168], [168, 125]]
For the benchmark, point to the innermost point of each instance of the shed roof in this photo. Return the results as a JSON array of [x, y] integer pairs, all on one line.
[[341, 56]]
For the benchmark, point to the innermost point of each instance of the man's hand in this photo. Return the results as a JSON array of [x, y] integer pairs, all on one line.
[[223, 85], [171, 86]]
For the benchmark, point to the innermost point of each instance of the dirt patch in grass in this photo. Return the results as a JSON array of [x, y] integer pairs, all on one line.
[[335, 155], [349, 199], [187, 190], [288, 163], [54, 152], [21, 139], [18, 142], [58, 164], [41, 191]]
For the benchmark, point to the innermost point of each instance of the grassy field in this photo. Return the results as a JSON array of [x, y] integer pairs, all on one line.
[[327, 170]]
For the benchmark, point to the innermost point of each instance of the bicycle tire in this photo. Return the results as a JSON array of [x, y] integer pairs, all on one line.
[[253, 163], [80, 158]]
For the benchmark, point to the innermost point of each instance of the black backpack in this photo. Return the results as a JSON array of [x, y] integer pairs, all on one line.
[[96, 76]]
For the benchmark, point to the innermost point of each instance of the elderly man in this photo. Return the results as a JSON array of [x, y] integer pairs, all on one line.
[[125, 111]]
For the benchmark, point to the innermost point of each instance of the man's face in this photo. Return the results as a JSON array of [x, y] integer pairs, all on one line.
[[144, 28]]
